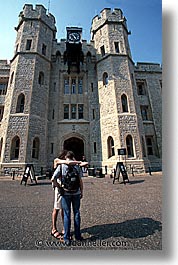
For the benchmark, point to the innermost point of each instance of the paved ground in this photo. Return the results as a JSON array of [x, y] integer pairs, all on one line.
[[114, 216]]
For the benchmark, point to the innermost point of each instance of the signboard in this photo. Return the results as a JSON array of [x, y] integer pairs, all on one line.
[[29, 172], [120, 169], [121, 151]]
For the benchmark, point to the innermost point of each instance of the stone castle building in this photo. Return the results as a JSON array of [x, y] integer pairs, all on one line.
[[87, 97]]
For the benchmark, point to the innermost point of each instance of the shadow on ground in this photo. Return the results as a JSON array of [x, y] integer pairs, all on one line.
[[136, 228], [130, 182], [39, 184], [136, 181]]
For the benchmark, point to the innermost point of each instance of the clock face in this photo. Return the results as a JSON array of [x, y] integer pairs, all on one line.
[[74, 36]]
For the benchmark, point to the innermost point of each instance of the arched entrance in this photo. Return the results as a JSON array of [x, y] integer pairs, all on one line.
[[76, 145]]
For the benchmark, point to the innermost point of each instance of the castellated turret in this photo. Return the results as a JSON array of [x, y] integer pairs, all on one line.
[[90, 98], [110, 29], [26, 108], [120, 122]]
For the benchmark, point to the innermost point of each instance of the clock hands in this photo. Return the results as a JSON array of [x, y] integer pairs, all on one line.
[[74, 36]]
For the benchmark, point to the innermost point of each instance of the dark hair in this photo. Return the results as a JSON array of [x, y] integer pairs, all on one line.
[[63, 154], [70, 155]]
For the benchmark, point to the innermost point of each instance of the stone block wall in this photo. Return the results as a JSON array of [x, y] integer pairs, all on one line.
[[43, 115]]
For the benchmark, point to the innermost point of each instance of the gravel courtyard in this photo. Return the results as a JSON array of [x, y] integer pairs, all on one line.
[[113, 216]]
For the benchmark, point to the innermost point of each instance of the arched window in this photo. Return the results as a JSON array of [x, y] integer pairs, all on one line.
[[1, 112], [129, 144], [110, 143], [58, 56], [105, 79], [41, 78], [20, 103], [124, 103], [15, 148], [36, 148], [1, 142]]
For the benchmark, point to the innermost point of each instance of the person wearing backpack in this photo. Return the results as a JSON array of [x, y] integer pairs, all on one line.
[[56, 183], [73, 191]]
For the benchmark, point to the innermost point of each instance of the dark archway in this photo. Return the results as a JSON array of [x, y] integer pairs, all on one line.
[[76, 145]]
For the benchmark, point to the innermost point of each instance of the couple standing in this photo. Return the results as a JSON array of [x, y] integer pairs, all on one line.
[[68, 186]]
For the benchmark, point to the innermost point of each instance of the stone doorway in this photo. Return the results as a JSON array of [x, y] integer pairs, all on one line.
[[76, 145]]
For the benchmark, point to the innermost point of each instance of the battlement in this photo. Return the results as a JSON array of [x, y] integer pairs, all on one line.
[[38, 13], [155, 67], [4, 64], [107, 14]]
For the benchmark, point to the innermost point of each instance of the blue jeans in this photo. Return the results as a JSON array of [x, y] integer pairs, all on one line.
[[66, 201]]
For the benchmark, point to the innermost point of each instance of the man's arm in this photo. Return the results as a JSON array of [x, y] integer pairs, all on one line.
[[58, 161], [83, 164]]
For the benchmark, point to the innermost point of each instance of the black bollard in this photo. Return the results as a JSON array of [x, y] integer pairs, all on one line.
[[149, 169], [106, 170], [13, 175], [132, 171]]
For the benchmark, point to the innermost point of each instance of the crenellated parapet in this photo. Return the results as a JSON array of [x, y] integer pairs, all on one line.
[[39, 13], [106, 16], [4, 65], [148, 67]]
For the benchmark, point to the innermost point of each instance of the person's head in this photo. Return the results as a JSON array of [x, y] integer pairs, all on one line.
[[69, 155], [63, 154]]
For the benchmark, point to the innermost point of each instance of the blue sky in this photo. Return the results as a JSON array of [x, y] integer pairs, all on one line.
[[144, 20]]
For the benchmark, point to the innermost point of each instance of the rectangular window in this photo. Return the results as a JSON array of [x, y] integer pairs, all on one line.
[[73, 111], [160, 82], [116, 45], [102, 50], [149, 143], [114, 27], [95, 147], [54, 86], [141, 88], [91, 87], [66, 86], [44, 47], [93, 114], [80, 86], [53, 115], [28, 45], [146, 113], [80, 111], [66, 111], [3, 88], [73, 88]]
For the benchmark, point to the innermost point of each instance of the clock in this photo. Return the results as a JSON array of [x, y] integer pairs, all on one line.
[[74, 36]]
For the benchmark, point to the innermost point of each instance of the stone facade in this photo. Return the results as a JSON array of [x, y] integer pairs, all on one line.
[[111, 103]]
